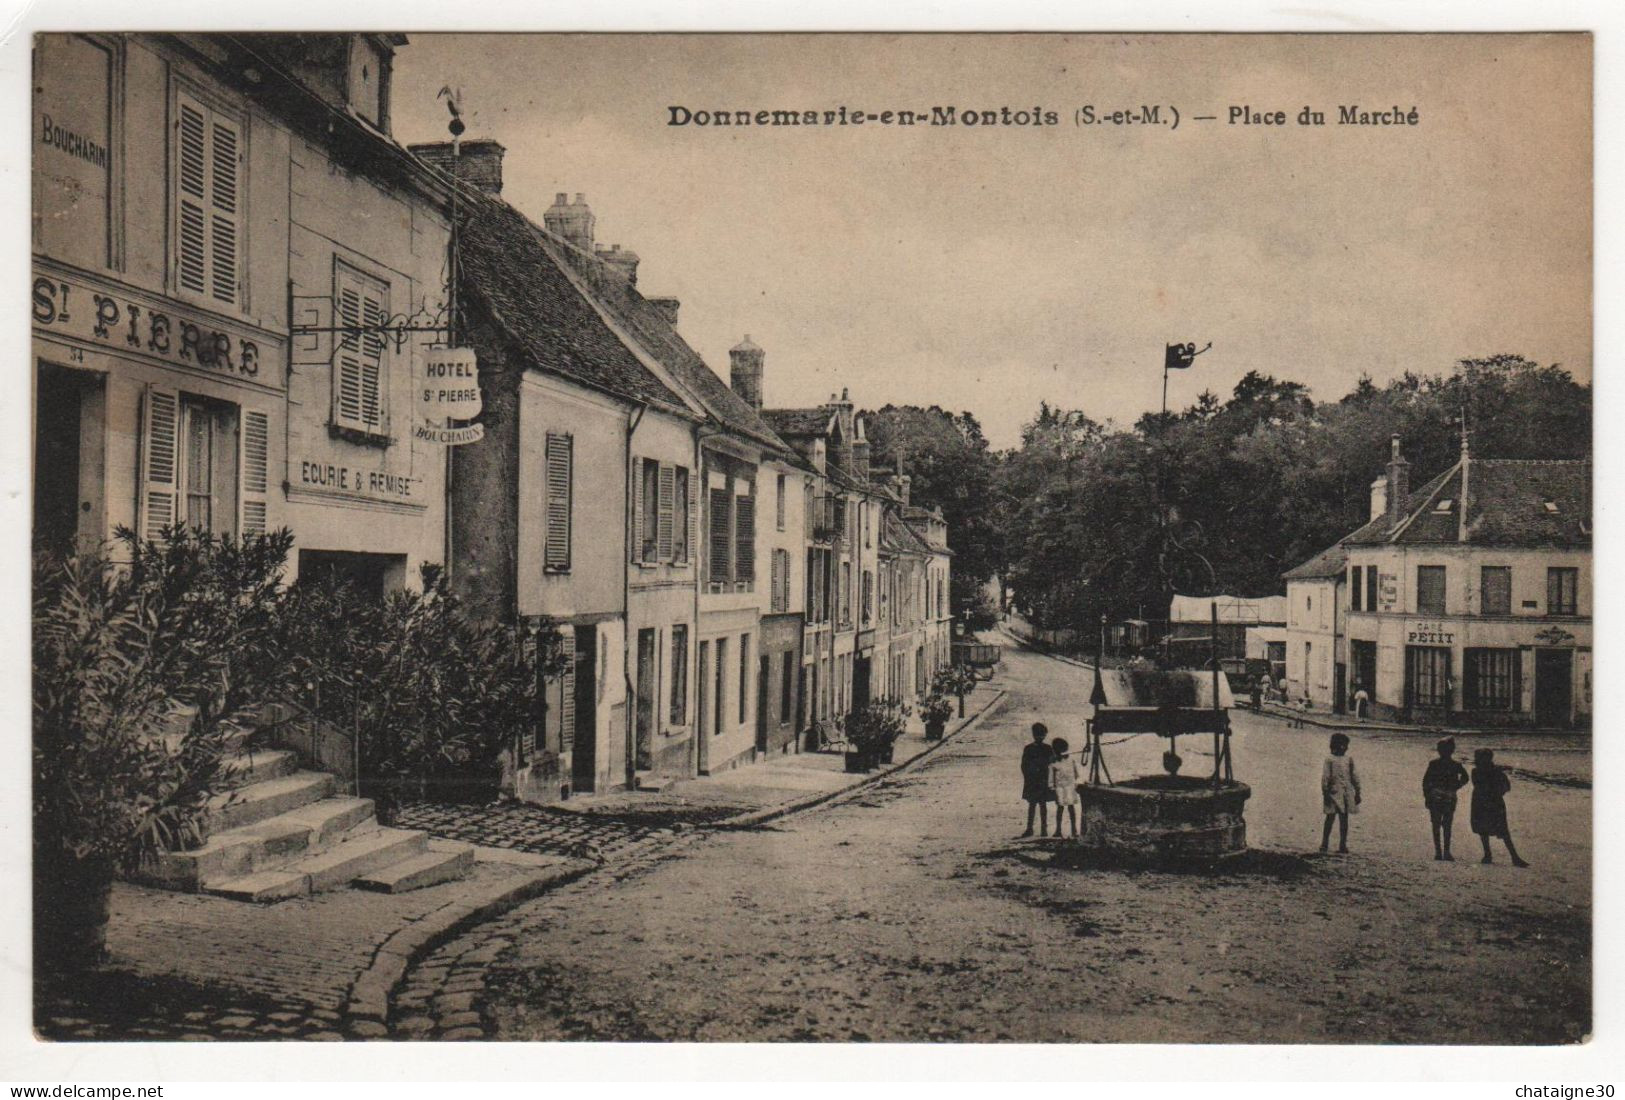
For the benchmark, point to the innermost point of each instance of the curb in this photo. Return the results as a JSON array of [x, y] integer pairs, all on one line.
[[753, 818], [366, 1012]]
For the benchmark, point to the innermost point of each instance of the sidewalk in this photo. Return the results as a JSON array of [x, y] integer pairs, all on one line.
[[774, 785]]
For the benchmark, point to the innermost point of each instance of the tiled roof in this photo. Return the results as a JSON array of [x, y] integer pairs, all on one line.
[[1328, 563], [1509, 502], [898, 537], [646, 323], [507, 267], [788, 422]]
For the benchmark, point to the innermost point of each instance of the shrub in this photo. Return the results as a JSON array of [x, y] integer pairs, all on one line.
[[936, 708], [873, 727]]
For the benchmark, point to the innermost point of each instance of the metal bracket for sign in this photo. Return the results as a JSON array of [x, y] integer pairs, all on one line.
[[397, 328]]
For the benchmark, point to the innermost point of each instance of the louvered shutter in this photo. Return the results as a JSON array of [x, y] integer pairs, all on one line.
[[773, 582], [256, 471], [372, 359], [668, 482], [192, 172], [224, 256], [160, 488], [745, 538], [637, 509], [347, 391], [560, 455], [717, 528], [567, 690], [693, 515]]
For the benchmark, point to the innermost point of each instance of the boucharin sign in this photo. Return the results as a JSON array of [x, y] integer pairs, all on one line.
[[449, 390]]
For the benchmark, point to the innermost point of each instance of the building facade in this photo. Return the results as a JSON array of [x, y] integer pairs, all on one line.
[[1469, 600]]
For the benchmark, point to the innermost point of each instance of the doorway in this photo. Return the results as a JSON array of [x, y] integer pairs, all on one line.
[[370, 576], [584, 754], [1340, 687], [764, 680], [67, 458], [1427, 681], [644, 714], [860, 682], [1554, 687]]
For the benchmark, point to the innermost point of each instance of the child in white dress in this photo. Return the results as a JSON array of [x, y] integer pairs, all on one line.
[[1063, 777], [1340, 793]]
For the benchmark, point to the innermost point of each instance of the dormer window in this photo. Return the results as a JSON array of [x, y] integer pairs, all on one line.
[[1551, 506], [368, 73], [1443, 506]]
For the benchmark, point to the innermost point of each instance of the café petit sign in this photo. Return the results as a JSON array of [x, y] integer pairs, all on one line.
[[449, 391]]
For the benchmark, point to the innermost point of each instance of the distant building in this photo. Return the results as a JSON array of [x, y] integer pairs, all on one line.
[[1468, 600], [1190, 623], [1313, 651]]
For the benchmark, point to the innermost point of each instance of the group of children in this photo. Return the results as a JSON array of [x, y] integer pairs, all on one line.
[[1340, 792], [1049, 773]]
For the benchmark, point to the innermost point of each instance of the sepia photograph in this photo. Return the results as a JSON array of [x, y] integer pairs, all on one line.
[[838, 538]]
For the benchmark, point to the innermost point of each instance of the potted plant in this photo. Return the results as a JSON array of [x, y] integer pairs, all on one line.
[[935, 712], [139, 669], [871, 731], [955, 680]]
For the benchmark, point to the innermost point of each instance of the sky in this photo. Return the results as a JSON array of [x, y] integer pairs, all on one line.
[[990, 268]]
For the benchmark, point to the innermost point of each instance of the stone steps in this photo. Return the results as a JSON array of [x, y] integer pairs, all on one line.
[[443, 861], [264, 844], [242, 768], [357, 855], [259, 801]]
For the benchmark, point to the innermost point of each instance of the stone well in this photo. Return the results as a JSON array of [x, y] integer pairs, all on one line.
[[1166, 818]]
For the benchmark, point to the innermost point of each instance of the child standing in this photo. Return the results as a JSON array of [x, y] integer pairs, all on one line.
[[1063, 777], [1443, 778], [1340, 792], [1035, 761], [1489, 810]]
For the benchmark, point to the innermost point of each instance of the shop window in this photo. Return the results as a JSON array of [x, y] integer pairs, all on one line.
[[1491, 680], [1562, 591], [1495, 590], [1428, 674], [208, 216]]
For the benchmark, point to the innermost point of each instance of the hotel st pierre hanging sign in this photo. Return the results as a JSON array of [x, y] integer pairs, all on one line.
[[448, 391]]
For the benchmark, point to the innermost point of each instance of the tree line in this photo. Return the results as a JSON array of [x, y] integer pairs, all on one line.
[[1086, 517]]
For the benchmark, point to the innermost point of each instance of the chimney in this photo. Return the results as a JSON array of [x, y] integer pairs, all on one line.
[[478, 161], [841, 450], [860, 454], [668, 308], [623, 262], [1379, 498], [903, 481], [1399, 482], [745, 372], [571, 220]]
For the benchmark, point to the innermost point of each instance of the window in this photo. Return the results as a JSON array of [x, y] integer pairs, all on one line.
[[649, 517], [778, 503], [942, 606], [744, 677], [360, 402], [679, 674], [1495, 590], [1562, 591], [1430, 590], [208, 167], [1427, 672], [779, 594], [1355, 595], [1371, 588], [559, 478], [868, 597], [681, 512], [845, 595], [1492, 679]]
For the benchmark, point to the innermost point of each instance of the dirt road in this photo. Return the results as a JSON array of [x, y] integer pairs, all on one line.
[[911, 912]]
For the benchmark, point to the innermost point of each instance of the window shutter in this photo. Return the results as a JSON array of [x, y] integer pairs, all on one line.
[[567, 693], [668, 481], [745, 538], [693, 515], [637, 509], [717, 526], [191, 246], [560, 457], [223, 215], [359, 390], [773, 582], [347, 394], [372, 360], [159, 439], [256, 470]]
